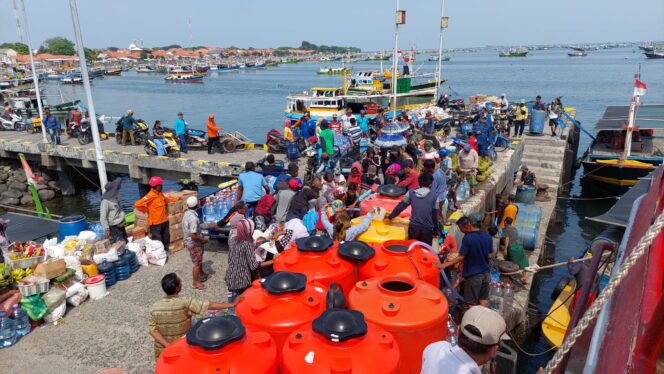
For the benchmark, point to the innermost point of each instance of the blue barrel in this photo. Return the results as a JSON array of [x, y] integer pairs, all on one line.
[[529, 215], [537, 118], [525, 194], [72, 225], [528, 236]]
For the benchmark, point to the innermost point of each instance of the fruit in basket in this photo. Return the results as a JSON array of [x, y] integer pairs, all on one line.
[[18, 274]]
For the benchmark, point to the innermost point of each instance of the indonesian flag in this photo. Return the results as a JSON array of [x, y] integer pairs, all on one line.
[[639, 88]]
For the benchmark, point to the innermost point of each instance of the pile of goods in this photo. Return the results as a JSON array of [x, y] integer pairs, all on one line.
[[421, 111], [219, 204], [175, 214], [484, 168]]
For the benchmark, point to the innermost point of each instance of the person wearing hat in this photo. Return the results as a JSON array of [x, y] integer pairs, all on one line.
[[111, 215], [251, 185], [293, 171], [52, 125], [363, 123], [430, 153], [476, 248], [346, 119], [370, 179], [213, 133], [527, 178], [180, 128], [155, 204], [521, 114], [335, 125], [480, 333], [468, 162], [504, 104], [429, 123], [194, 242]]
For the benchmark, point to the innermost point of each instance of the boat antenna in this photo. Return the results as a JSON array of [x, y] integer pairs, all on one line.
[[101, 166], [400, 20], [443, 26], [35, 77], [19, 34]]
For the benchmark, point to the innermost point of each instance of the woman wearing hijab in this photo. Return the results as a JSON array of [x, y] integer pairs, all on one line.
[[299, 205], [355, 174], [242, 262], [213, 133], [111, 215]]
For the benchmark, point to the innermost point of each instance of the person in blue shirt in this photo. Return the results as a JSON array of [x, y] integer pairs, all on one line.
[[52, 126], [363, 122], [429, 123], [482, 130], [251, 185], [307, 128], [293, 171], [476, 248], [127, 121], [180, 128]]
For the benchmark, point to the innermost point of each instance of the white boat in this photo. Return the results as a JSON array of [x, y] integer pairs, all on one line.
[[578, 54]]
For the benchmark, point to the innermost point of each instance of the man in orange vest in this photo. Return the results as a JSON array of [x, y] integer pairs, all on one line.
[[155, 204]]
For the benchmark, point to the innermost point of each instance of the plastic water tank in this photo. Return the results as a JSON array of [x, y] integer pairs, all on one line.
[[537, 118], [528, 236], [414, 311], [379, 232], [72, 225], [340, 341], [392, 257], [386, 202], [317, 257], [529, 215], [280, 303], [220, 345], [526, 194]]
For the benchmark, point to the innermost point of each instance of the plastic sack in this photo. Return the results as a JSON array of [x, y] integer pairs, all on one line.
[[110, 256], [34, 306], [309, 220], [57, 313], [53, 249], [87, 235], [154, 249], [7, 304], [53, 298], [76, 294], [141, 257], [72, 262]]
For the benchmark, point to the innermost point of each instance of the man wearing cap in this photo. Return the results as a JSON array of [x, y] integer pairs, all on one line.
[[345, 119], [429, 123], [504, 104], [527, 178], [476, 247], [480, 333], [335, 125], [521, 113], [194, 242], [251, 185], [363, 123], [468, 163], [155, 204], [180, 128]]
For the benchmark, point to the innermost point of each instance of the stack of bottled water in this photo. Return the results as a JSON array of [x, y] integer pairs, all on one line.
[[14, 324], [496, 297], [508, 299], [218, 205], [451, 331]]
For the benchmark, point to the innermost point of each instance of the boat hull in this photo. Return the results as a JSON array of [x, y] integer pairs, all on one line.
[[555, 324], [616, 174]]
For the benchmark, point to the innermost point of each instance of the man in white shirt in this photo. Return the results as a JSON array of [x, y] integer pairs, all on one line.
[[479, 337], [345, 120], [504, 104]]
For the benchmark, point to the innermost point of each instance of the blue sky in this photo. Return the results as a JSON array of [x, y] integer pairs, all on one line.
[[367, 24]]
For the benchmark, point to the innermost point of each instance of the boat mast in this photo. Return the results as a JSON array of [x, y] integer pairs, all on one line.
[[19, 34], [35, 77], [400, 16], [443, 25], [630, 123], [101, 166]]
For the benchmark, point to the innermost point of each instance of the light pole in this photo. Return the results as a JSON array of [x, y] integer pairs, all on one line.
[[101, 166], [35, 77], [400, 18], [443, 26]]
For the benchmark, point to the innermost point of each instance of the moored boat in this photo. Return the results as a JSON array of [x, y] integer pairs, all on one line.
[[185, 78], [654, 54], [514, 53], [578, 54], [333, 71]]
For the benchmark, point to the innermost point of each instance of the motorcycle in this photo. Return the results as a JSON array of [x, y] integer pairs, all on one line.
[[171, 148], [196, 139], [276, 144], [85, 131], [141, 132], [12, 122]]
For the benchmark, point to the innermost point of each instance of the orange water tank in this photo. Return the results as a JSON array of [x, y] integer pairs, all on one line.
[[280, 303], [386, 202], [393, 257], [340, 341], [414, 311], [318, 258], [220, 345]]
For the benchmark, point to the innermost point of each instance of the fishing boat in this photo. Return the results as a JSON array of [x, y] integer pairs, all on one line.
[[378, 57], [577, 54], [435, 58], [185, 78], [73, 79], [322, 102], [654, 54], [557, 319], [334, 71], [628, 144], [514, 53], [113, 72]]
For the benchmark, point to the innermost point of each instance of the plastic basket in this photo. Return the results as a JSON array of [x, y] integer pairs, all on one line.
[[24, 262], [36, 288]]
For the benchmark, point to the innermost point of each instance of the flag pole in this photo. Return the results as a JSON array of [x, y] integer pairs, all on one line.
[[101, 166], [440, 50], [632, 114], [398, 21]]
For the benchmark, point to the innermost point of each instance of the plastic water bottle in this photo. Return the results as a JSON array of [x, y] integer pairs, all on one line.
[[463, 191], [451, 332], [508, 299], [496, 297], [21, 320], [217, 210], [7, 331]]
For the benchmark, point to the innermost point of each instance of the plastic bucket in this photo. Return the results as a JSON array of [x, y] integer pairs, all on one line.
[[537, 118], [525, 194], [72, 225], [96, 286]]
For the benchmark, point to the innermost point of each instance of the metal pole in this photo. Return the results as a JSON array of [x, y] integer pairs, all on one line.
[[394, 68], [19, 34], [101, 166], [35, 76], [440, 52]]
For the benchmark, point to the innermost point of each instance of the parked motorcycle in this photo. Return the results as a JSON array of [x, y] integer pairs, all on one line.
[[12, 122], [141, 132], [85, 131], [276, 144], [171, 147], [196, 139]]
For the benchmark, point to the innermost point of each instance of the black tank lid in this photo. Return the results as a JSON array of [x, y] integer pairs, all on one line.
[[283, 282], [313, 244], [339, 325], [213, 333], [391, 190], [355, 250]]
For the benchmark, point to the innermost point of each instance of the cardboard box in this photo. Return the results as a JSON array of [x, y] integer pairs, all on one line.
[[176, 231], [175, 246], [102, 246], [175, 218], [137, 233], [175, 208], [50, 269]]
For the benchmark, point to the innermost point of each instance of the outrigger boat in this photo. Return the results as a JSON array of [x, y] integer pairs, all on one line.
[[628, 146]]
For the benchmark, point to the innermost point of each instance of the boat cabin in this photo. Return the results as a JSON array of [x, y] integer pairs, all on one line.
[[321, 102]]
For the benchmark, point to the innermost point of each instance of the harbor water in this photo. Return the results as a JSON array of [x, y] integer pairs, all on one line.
[[252, 102]]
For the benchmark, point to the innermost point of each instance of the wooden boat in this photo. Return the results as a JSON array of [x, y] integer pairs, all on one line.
[[333, 71], [185, 78], [614, 160], [435, 58], [654, 54], [113, 72], [513, 53], [558, 317], [577, 54]]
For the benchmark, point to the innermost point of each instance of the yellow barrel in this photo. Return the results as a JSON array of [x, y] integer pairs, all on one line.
[[379, 232]]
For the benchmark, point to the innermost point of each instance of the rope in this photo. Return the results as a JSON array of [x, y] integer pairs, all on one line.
[[11, 207], [593, 311], [535, 268], [82, 174], [587, 198]]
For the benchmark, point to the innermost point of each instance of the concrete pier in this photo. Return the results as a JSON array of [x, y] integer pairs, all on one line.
[[197, 165]]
